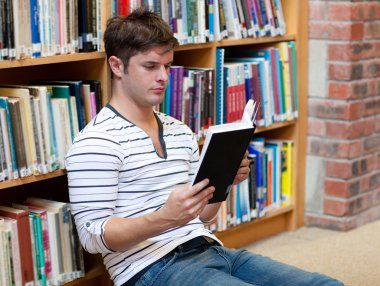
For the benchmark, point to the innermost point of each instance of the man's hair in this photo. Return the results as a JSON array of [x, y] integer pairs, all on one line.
[[125, 36]]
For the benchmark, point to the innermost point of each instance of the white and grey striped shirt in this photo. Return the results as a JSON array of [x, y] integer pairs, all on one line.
[[114, 171]]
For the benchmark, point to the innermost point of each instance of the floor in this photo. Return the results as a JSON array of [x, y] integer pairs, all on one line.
[[352, 257]]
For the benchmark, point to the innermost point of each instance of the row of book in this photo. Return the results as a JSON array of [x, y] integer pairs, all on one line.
[[38, 123], [189, 97], [213, 20], [39, 244], [268, 187], [34, 28], [269, 76]]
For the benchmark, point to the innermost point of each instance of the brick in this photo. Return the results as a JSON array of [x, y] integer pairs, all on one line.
[[317, 10], [352, 89], [332, 109], [328, 148], [349, 130], [374, 180], [336, 31], [347, 11], [352, 51], [317, 127], [336, 207], [376, 197], [371, 30], [342, 189], [364, 183], [371, 107], [345, 71], [345, 169], [371, 144], [377, 124], [355, 149], [339, 11], [371, 68], [361, 203], [340, 169]]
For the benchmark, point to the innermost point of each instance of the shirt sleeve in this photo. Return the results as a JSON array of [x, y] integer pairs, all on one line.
[[93, 165]]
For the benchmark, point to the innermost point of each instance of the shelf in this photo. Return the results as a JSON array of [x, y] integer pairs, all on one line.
[[52, 60], [92, 277], [31, 179], [276, 126], [272, 223], [254, 41], [194, 47]]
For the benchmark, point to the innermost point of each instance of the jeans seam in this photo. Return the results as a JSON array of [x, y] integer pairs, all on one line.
[[220, 252], [170, 262]]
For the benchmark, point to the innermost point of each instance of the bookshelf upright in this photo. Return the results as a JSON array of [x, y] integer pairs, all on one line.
[[93, 65]]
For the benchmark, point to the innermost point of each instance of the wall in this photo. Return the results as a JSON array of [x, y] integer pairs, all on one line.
[[343, 161]]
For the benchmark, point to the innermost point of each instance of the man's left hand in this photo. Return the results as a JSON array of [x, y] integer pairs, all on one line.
[[243, 171]]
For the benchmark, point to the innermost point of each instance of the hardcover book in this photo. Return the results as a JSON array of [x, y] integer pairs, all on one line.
[[223, 150]]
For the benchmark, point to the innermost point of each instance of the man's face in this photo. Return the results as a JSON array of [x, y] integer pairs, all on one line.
[[147, 76]]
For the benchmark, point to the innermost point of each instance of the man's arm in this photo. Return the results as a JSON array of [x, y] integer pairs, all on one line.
[[183, 205]]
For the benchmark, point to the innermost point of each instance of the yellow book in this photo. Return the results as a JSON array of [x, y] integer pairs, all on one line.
[[287, 173]]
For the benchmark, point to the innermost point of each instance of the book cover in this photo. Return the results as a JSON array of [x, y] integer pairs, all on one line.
[[222, 153], [20, 147]]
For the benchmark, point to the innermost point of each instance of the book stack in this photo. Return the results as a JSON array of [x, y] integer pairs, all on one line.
[[268, 188], [267, 76], [39, 122], [202, 21], [35, 28], [39, 244]]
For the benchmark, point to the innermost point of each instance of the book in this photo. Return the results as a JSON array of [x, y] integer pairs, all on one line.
[[222, 153], [22, 217]]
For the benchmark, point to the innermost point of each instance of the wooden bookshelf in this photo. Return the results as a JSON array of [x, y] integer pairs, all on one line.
[[94, 66]]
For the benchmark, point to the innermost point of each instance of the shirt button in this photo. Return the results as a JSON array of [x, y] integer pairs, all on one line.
[[88, 224]]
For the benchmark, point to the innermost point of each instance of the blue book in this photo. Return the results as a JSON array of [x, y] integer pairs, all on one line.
[[219, 85], [34, 28], [14, 168]]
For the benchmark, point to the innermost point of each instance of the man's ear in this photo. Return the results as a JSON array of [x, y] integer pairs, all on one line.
[[116, 65]]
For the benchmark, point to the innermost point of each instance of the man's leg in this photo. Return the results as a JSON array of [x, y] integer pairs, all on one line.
[[260, 270]]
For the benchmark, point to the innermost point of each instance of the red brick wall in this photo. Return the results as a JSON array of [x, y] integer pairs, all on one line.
[[344, 125]]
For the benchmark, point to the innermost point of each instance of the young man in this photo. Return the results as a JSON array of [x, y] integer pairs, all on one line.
[[129, 175]]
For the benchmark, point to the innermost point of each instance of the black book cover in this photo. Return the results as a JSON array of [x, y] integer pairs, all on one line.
[[222, 153]]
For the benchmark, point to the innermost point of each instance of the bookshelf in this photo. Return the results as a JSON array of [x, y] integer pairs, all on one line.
[[93, 65]]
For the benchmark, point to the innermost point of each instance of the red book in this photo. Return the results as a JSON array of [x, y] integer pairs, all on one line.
[[22, 217]]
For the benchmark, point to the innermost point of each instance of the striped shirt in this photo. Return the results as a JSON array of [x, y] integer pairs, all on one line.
[[114, 171]]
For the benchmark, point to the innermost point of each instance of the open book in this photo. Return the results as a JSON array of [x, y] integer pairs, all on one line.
[[223, 150]]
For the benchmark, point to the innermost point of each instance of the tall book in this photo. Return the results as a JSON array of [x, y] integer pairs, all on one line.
[[18, 135], [25, 244]]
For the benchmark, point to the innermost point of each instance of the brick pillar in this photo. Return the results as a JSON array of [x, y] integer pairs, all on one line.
[[343, 160]]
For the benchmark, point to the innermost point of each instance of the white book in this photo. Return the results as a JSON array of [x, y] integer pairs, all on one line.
[[11, 225]]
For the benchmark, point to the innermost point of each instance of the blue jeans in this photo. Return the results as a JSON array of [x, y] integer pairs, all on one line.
[[220, 266]]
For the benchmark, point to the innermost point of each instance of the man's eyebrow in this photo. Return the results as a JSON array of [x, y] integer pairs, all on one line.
[[156, 62]]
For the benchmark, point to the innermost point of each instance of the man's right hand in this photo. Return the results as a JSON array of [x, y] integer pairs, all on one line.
[[186, 203]]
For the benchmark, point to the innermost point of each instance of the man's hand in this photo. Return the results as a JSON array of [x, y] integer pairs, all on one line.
[[186, 203], [243, 171]]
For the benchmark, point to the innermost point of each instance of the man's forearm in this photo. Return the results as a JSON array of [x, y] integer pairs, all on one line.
[[123, 233]]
